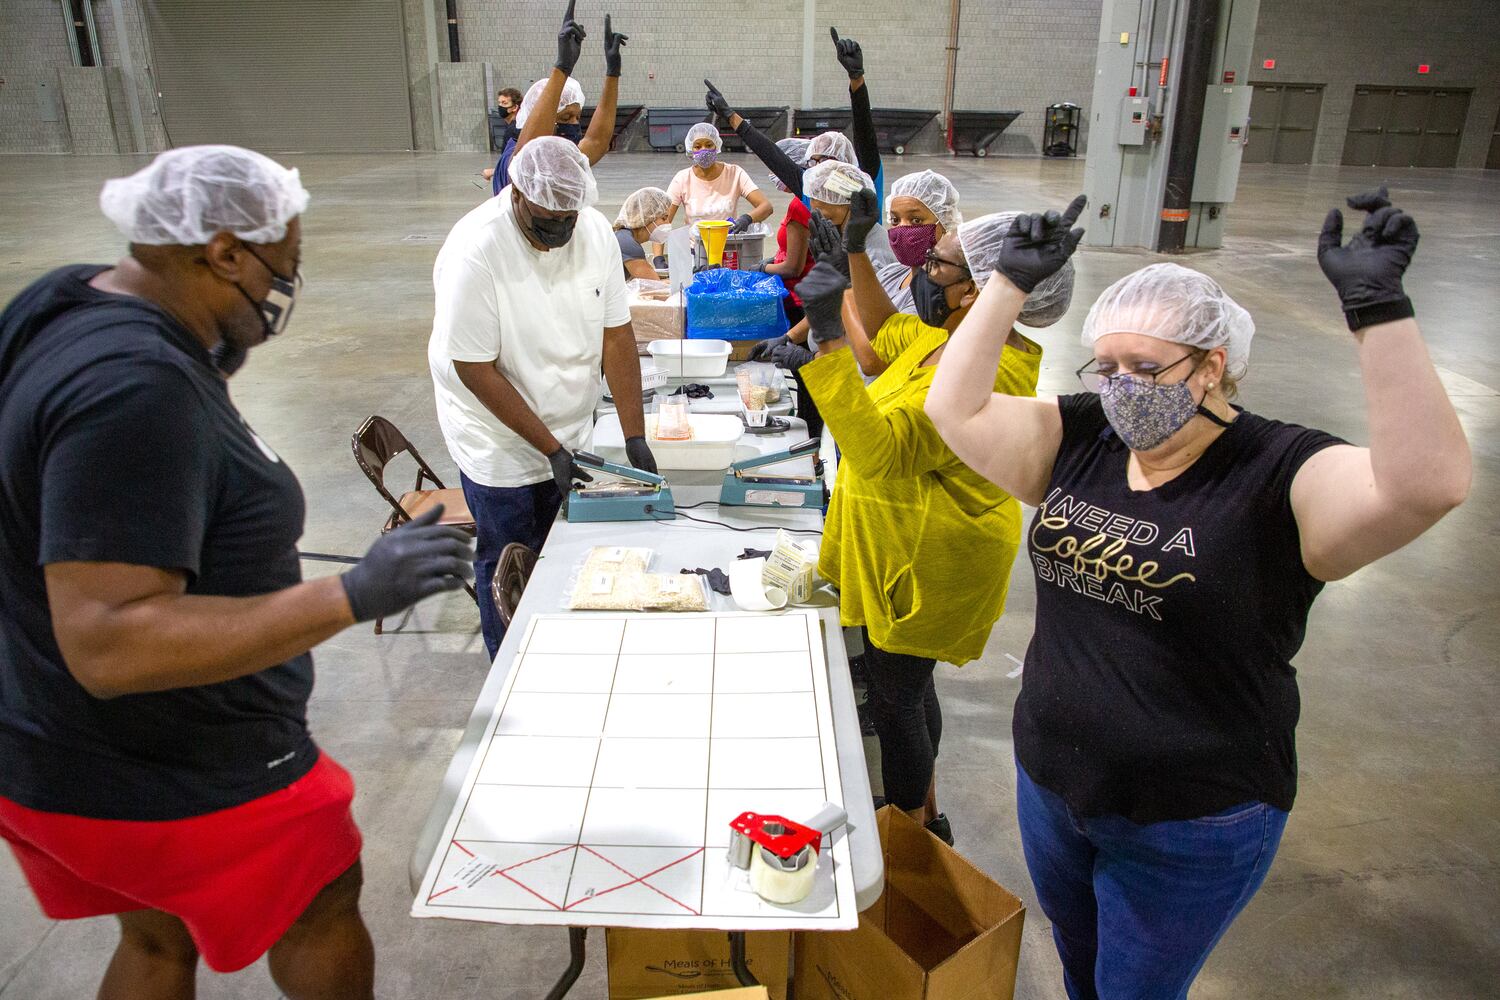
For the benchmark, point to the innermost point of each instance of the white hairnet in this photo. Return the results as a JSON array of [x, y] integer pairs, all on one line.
[[834, 145], [1172, 302], [795, 149], [933, 190], [703, 130], [572, 93], [981, 240], [185, 196], [815, 181], [643, 208], [554, 173]]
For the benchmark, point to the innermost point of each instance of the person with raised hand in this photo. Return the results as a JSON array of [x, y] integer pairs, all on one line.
[[1178, 545], [917, 592], [155, 629]]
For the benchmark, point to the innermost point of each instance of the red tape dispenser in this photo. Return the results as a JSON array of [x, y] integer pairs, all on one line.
[[781, 854]]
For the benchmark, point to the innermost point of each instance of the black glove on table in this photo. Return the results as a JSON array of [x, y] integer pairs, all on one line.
[[416, 560], [565, 469], [613, 42], [718, 580], [1367, 271], [569, 41], [1037, 246], [639, 454], [822, 294]]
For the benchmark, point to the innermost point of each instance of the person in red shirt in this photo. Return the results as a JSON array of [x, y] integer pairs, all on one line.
[[793, 255]]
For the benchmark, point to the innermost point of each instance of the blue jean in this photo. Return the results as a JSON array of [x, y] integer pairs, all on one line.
[[1135, 909], [505, 514]]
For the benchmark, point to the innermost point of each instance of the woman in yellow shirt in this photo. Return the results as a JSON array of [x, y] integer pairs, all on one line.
[[919, 545]]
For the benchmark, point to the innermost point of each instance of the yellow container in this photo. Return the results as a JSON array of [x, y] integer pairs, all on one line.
[[714, 232]]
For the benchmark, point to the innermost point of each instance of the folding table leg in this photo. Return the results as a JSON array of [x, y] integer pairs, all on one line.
[[576, 936], [737, 959]]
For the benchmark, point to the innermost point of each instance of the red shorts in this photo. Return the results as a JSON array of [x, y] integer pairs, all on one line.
[[238, 878]]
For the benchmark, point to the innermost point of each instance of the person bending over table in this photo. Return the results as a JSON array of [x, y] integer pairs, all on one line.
[[559, 91], [909, 524], [644, 218], [530, 303], [1178, 545], [154, 625], [712, 190]]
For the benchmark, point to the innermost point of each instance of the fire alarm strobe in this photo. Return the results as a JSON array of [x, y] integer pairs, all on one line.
[[781, 854]]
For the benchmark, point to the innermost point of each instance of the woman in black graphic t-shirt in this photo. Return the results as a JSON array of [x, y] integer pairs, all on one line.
[[1178, 544]]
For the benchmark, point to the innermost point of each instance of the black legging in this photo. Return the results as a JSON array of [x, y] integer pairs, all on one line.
[[908, 722]]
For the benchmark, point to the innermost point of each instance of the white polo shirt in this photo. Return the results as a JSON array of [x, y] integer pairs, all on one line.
[[540, 317]]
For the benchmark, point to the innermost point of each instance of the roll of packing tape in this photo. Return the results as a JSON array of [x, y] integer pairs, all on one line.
[[748, 590], [775, 884]]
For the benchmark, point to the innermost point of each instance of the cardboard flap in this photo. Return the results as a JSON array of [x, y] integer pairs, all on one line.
[[954, 894], [983, 968]]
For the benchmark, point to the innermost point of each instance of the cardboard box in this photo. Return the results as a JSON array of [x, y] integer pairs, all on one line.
[[739, 993], [942, 930], [656, 319], [646, 964]]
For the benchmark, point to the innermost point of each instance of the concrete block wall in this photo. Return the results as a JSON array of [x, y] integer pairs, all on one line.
[[33, 44], [91, 124], [1381, 42], [462, 103], [132, 34]]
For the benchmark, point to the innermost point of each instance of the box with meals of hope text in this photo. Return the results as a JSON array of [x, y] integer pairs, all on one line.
[[672, 963], [942, 930]]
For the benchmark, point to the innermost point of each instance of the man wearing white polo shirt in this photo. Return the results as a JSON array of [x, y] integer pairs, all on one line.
[[531, 303]]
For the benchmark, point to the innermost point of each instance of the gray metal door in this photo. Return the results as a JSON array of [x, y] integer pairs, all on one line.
[[1444, 129], [1367, 118], [1403, 130], [282, 75], [1265, 113], [1298, 128]]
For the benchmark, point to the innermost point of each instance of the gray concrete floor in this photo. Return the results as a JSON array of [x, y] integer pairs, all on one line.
[[1388, 880]]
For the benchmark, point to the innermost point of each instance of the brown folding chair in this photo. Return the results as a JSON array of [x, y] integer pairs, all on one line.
[[375, 444], [511, 573]]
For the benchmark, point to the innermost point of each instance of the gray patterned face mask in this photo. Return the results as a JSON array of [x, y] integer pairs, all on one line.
[[1145, 414]]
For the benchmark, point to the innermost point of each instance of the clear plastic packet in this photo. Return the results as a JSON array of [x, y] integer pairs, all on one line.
[[610, 578], [675, 592]]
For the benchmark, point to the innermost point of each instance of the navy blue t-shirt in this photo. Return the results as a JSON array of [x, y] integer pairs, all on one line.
[[119, 443]]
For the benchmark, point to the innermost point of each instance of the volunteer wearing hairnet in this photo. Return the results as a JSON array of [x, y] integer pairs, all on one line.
[[710, 189], [922, 209], [530, 303], [863, 152], [792, 259], [644, 218], [154, 625], [559, 91], [919, 544], [1178, 545]]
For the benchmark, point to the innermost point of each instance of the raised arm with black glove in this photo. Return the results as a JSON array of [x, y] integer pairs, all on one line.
[[762, 145], [1037, 246], [827, 245], [416, 560], [569, 41], [866, 145], [822, 294], [1367, 272]]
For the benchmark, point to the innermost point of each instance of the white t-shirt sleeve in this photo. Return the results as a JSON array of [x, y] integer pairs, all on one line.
[[467, 314], [616, 298], [677, 190]]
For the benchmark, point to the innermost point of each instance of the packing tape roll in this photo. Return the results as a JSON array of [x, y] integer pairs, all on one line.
[[777, 886], [748, 590]]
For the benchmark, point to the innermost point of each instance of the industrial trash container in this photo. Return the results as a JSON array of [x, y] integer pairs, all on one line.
[[667, 128], [973, 131]]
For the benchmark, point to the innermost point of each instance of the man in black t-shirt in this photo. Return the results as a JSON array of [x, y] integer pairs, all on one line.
[[154, 625]]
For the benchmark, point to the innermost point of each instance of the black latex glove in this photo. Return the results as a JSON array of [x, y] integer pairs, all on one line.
[[640, 455], [822, 295], [408, 563], [754, 554], [565, 470], [850, 55], [864, 215], [569, 41], [742, 223], [693, 390], [791, 356], [718, 580], [827, 245], [1367, 271], [763, 349], [1037, 246], [613, 42], [715, 102]]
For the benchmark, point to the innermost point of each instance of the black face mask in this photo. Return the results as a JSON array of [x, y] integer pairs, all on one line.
[[550, 233], [930, 298], [573, 133]]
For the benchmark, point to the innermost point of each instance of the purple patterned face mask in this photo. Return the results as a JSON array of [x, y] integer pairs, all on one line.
[[911, 243], [1145, 414], [705, 158]]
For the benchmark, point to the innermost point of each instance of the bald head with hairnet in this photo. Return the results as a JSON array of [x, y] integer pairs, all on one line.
[[831, 146], [981, 240], [572, 94], [185, 196], [554, 174], [1176, 304]]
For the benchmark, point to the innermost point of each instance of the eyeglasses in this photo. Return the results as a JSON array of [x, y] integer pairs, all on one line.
[[932, 260], [1093, 380]]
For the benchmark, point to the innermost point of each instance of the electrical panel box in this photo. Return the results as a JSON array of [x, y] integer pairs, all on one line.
[[1221, 143], [1133, 121]]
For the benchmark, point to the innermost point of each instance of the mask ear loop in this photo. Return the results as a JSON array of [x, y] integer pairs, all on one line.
[[1204, 411]]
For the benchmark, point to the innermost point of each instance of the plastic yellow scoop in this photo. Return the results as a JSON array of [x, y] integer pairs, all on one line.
[[714, 232]]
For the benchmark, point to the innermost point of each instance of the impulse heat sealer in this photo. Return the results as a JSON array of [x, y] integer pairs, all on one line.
[[629, 495], [743, 487]]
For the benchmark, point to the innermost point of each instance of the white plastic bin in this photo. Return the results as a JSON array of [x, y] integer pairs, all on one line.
[[712, 446], [691, 358]]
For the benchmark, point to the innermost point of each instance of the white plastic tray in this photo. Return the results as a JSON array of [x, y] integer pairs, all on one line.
[[691, 358]]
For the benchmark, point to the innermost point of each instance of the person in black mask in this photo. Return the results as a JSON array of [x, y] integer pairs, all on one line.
[[559, 91], [154, 624]]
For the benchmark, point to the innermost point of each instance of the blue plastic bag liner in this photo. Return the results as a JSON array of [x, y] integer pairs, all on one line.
[[724, 304]]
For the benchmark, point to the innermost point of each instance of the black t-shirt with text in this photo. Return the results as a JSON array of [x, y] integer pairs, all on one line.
[[119, 443], [1159, 684]]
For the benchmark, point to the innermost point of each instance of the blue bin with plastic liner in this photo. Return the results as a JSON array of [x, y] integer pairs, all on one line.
[[724, 304]]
